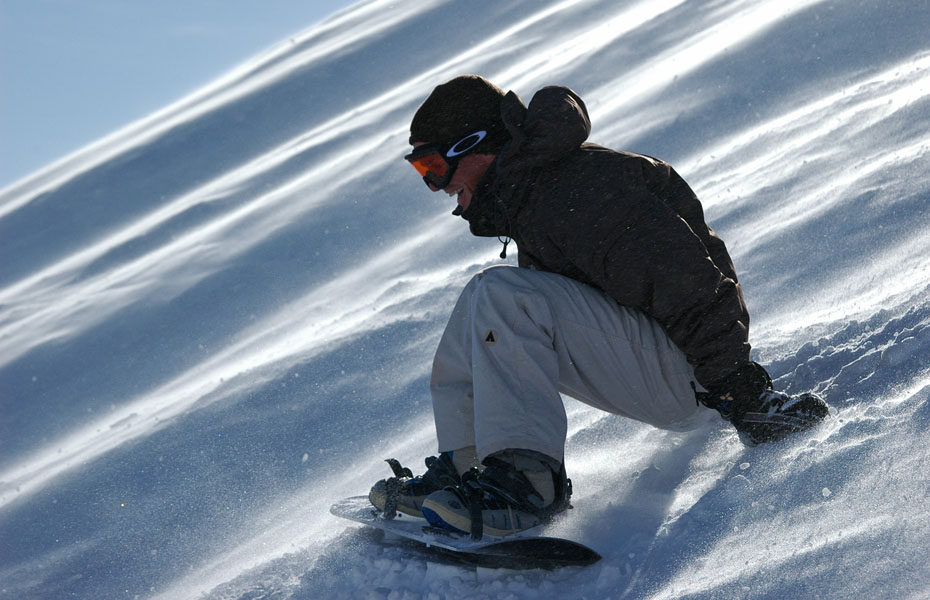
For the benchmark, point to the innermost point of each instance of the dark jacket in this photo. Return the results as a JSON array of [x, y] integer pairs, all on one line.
[[625, 223]]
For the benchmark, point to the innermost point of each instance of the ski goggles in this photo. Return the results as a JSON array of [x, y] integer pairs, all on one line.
[[436, 164]]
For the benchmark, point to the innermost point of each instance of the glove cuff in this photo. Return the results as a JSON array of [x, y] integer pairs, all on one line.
[[734, 394], [748, 380]]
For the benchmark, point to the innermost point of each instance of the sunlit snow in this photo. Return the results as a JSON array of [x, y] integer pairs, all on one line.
[[218, 320]]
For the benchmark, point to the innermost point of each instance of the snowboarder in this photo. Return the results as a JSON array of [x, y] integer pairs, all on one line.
[[624, 298]]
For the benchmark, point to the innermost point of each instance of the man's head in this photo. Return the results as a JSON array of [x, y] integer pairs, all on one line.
[[458, 108], [456, 134]]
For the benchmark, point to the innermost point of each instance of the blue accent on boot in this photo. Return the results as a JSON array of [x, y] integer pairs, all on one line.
[[436, 521]]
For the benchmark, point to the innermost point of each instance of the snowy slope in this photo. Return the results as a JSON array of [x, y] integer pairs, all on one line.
[[218, 320]]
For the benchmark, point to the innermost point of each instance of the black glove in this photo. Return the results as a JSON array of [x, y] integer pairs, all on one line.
[[746, 399]]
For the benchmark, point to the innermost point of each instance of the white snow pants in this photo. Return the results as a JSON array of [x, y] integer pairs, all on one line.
[[518, 337]]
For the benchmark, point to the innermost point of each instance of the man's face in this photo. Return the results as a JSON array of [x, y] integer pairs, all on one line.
[[471, 168]]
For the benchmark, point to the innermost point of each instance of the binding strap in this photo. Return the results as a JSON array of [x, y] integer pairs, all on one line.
[[391, 493], [399, 471], [392, 487], [474, 494]]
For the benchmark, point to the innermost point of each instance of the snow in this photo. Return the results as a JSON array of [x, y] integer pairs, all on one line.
[[218, 320]]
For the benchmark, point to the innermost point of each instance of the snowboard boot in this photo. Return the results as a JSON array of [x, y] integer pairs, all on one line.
[[517, 490], [405, 493]]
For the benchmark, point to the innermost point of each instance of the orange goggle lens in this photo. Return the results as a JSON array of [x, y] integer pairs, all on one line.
[[432, 166], [430, 163]]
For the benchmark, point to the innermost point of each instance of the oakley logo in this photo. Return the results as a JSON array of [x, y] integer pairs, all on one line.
[[466, 143]]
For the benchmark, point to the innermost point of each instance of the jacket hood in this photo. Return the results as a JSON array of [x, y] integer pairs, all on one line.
[[555, 123]]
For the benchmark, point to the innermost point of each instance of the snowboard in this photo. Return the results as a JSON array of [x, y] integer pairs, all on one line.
[[519, 551]]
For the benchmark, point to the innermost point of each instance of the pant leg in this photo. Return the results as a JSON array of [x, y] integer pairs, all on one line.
[[518, 337], [471, 362], [451, 385]]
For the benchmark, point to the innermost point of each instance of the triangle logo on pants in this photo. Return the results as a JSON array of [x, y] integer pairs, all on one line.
[[490, 338]]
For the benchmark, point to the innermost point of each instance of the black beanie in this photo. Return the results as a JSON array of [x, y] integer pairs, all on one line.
[[458, 108]]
